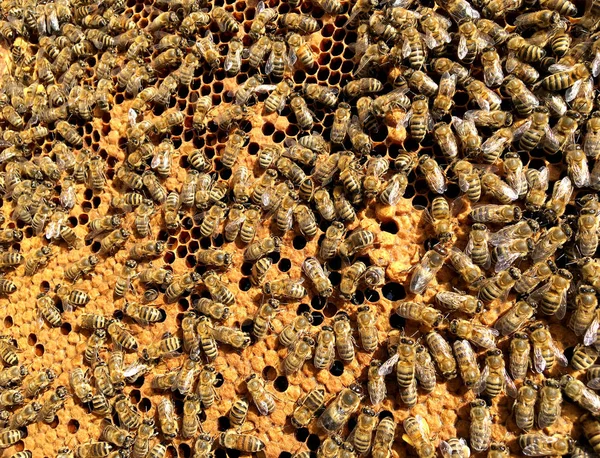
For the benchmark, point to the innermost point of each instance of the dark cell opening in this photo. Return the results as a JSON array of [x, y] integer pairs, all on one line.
[[145, 405], [318, 302], [274, 257], [397, 322], [135, 396], [284, 265], [302, 434], [223, 423], [65, 329], [358, 298], [73, 426], [393, 291], [337, 368], [281, 383], [334, 263], [302, 308], [335, 278], [385, 414], [247, 268], [313, 442], [184, 450], [389, 226], [245, 284], [299, 242], [219, 380], [247, 325], [317, 318], [371, 295]]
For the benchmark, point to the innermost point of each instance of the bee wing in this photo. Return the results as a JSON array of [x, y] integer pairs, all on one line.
[[558, 354], [541, 447], [269, 64], [536, 296], [510, 387], [562, 307], [462, 47], [132, 116], [423, 426], [493, 76], [264, 88], [230, 60], [404, 120], [394, 193], [503, 236], [430, 40], [539, 363], [479, 387], [563, 189], [446, 449], [485, 336], [451, 299], [591, 334], [447, 84], [571, 93], [594, 383], [505, 260], [596, 65], [377, 396], [388, 367], [406, 49]]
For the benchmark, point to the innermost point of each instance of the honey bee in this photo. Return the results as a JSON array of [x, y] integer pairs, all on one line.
[[427, 269], [53, 404], [545, 351], [121, 335], [13, 376], [225, 20], [299, 352], [114, 241], [315, 273], [167, 419], [434, 175], [325, 349], [261, 249], [80, 268], [264, 16], [580, 394], [144, 314], [263, 400], [570, 79], [226, 118], [417, 434], [93, 449], [190, 423], [278, 97], [459, 301], [144, 250], [441, 351], [256, 55], [243, 442], [205, 390], [263, 317], [48, 311], [229, 336], [336, 414], [444, 100], [80, 386], [591, 140], [362, 434], [277, 61], [499, 285], [550, 403], [11, 398], [538, 444], [117, 436], [38, 259], [163, 348], [325, 95], [239, 411], [584, 320]]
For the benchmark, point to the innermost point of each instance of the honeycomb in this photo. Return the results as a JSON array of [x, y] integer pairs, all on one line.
[[402, 232]]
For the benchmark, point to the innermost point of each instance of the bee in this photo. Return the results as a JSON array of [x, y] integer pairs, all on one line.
[[38, 259], [256, 55], [239, 411], [494, 378], [80, 386], [93, 346], [261, 249], [205, 335], [417, 434], [591, 140], [515, 318], [481, 425], [203, 446], [206, 386], [577, 392], [263, 317], [167, 419], [444, 100], [455, 448], [570, 79], [144, 250], [103, 224], [212, 219], [325, 95], [545, 352], [299, 352], [201, 109], [434, 175], [277, 61], [190, 423], [479, 335], [48, 311], [427, 269], [343, 337], [590, 430], [413, 47], [555, 208], [519, 356], [583, 357], [499, 285], [264, 16], [116, 436], [114, 241], [226, 118], [441, 351], [550, 403], [356, 242], [165, 347], [13, 376], [144, 314], [524, 406], [552, 240], [483, 96], [225, 20], [229, 336], [588, 225], [156, 276], [538, 444], [467, 363], [336, 414], [81, 268], [121, 335], [53, 404], [341, 123], [217, 289], [243, 442], [314, 271], [263, 400], [93, 449], [459, 301], [342, 206], [552, 296], [584, 320], [11, 398]]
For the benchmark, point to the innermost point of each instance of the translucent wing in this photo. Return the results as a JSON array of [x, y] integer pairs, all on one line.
[[446, 449], [406, 49], [511, 63], [591, 400], [230, 60], [571, 93], [536, 296], [558, 354], [423, 426], [269, 64], [594, 383], [511, 389], [264, 88], [430, 40], [591, 334], [541, 447], [505, 260], [493, 76], [132, 115], [539, 363], [292, 57], [479, 387], [596, 65], [563, 189], [462, 47], [388, 367]]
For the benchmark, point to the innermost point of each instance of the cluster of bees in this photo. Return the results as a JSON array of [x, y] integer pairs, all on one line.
[[527, 70]]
